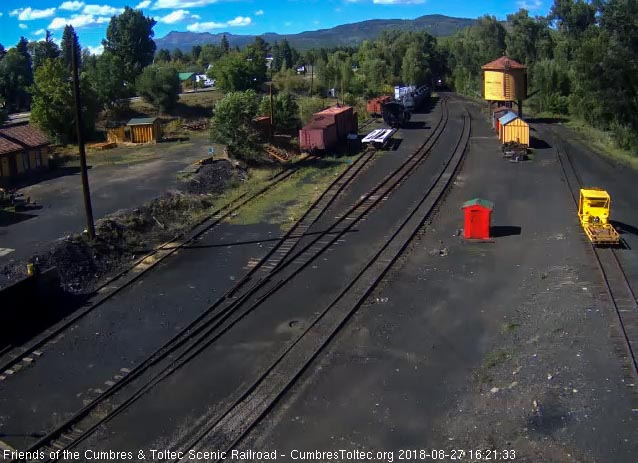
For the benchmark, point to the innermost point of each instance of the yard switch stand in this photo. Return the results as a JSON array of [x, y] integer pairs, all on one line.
[[478, 216]]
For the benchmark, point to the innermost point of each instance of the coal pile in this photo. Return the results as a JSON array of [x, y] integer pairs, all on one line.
[[127, 235], [214, 178]]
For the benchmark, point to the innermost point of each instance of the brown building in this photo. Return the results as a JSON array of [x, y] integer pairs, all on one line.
[[23, 149]]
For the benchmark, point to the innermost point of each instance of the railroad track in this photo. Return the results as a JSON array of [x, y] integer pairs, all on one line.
[[617, 286], [220, 318], [14, 359], [227, 432]]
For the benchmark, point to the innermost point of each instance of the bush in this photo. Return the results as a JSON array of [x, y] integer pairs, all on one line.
[[232, 125], [159, 86], [309, 106], [624, 137], [285, 111]]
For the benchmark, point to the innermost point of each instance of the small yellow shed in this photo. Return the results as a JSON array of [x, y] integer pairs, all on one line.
[[515, 130], [116, 133], [145, 130]]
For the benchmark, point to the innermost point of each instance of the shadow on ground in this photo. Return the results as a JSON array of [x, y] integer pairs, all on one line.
[[500, 231]]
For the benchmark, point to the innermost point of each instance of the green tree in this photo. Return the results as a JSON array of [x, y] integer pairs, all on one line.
[[163, 56], [232, 124], [285, 112], [53, 103], [195, 52], [528, 39], [210, 53], [129, 36], [107, 80], [238, 71], [160, 86], [68, 38], [177, 55], [43, 49], [15, 80], [224, 44]]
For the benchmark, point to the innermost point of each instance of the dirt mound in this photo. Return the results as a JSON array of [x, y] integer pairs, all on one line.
[[214, 178]]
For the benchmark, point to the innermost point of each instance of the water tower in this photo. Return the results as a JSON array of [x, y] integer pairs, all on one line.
[[505, 80]]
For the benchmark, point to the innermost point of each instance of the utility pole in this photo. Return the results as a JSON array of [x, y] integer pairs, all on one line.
[[272, 113], [88, 209]]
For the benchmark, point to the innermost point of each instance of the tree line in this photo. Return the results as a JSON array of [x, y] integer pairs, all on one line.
[[581, 58]]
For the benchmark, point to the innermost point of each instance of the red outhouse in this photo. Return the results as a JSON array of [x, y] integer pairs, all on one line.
[[478, 216]]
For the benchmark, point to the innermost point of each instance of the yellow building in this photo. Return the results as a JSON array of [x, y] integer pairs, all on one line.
[[145, 130], [505, 80], [116, 133], [23, 149], [513, 129]]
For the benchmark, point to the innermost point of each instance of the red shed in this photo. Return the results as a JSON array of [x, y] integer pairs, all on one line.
[[478, 216]]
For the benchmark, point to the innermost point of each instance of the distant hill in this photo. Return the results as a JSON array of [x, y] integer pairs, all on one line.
[[347, 34]]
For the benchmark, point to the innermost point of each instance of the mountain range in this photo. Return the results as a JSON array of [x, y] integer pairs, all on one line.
[[343, 35]]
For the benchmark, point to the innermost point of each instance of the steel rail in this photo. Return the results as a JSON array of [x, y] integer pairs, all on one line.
[[611, 270], [227, 432], [69, 427]]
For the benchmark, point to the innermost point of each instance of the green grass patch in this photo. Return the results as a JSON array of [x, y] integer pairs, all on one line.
[[602, 142], [288, 201]]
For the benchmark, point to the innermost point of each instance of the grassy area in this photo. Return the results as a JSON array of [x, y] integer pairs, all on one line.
[[129, 154], [603, 143], [190, 105], [288, 201]]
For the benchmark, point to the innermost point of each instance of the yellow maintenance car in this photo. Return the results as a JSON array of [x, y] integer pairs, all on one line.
[[593, 211]]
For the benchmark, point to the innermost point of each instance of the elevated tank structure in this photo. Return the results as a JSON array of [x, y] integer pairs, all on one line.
[[505, 82]]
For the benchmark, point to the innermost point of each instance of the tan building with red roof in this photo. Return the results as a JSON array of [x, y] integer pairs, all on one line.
[[23, 149]]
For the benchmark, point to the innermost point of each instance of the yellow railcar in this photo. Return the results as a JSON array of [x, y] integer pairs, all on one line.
[[593, 211]]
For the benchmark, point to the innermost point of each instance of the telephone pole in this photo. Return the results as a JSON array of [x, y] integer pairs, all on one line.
[[88, 209]]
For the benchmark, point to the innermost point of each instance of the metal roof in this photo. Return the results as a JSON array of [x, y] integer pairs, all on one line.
[[507, 118], [503, 63], [334, 110], [478, 202], [186, 75], [142, 121]]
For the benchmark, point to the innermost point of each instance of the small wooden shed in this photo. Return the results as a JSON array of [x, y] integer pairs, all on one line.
[[514, 130], [145, 130], [478, 217], [116, 132]]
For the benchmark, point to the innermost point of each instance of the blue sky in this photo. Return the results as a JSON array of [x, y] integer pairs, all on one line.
[[30, 18]]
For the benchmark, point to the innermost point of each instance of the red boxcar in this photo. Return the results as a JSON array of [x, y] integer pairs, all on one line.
[[375, 105], [342, 117], [318, 134]]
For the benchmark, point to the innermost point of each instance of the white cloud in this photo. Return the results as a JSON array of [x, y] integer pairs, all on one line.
[[204, 27], [96, 50], [240, 21], [78, 21], [71, 6], [171, 4], [23, 26], [40, 32], [178, 16], [259, 13], [142, 5], [101, 10], [530, 5], [29, 14]]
